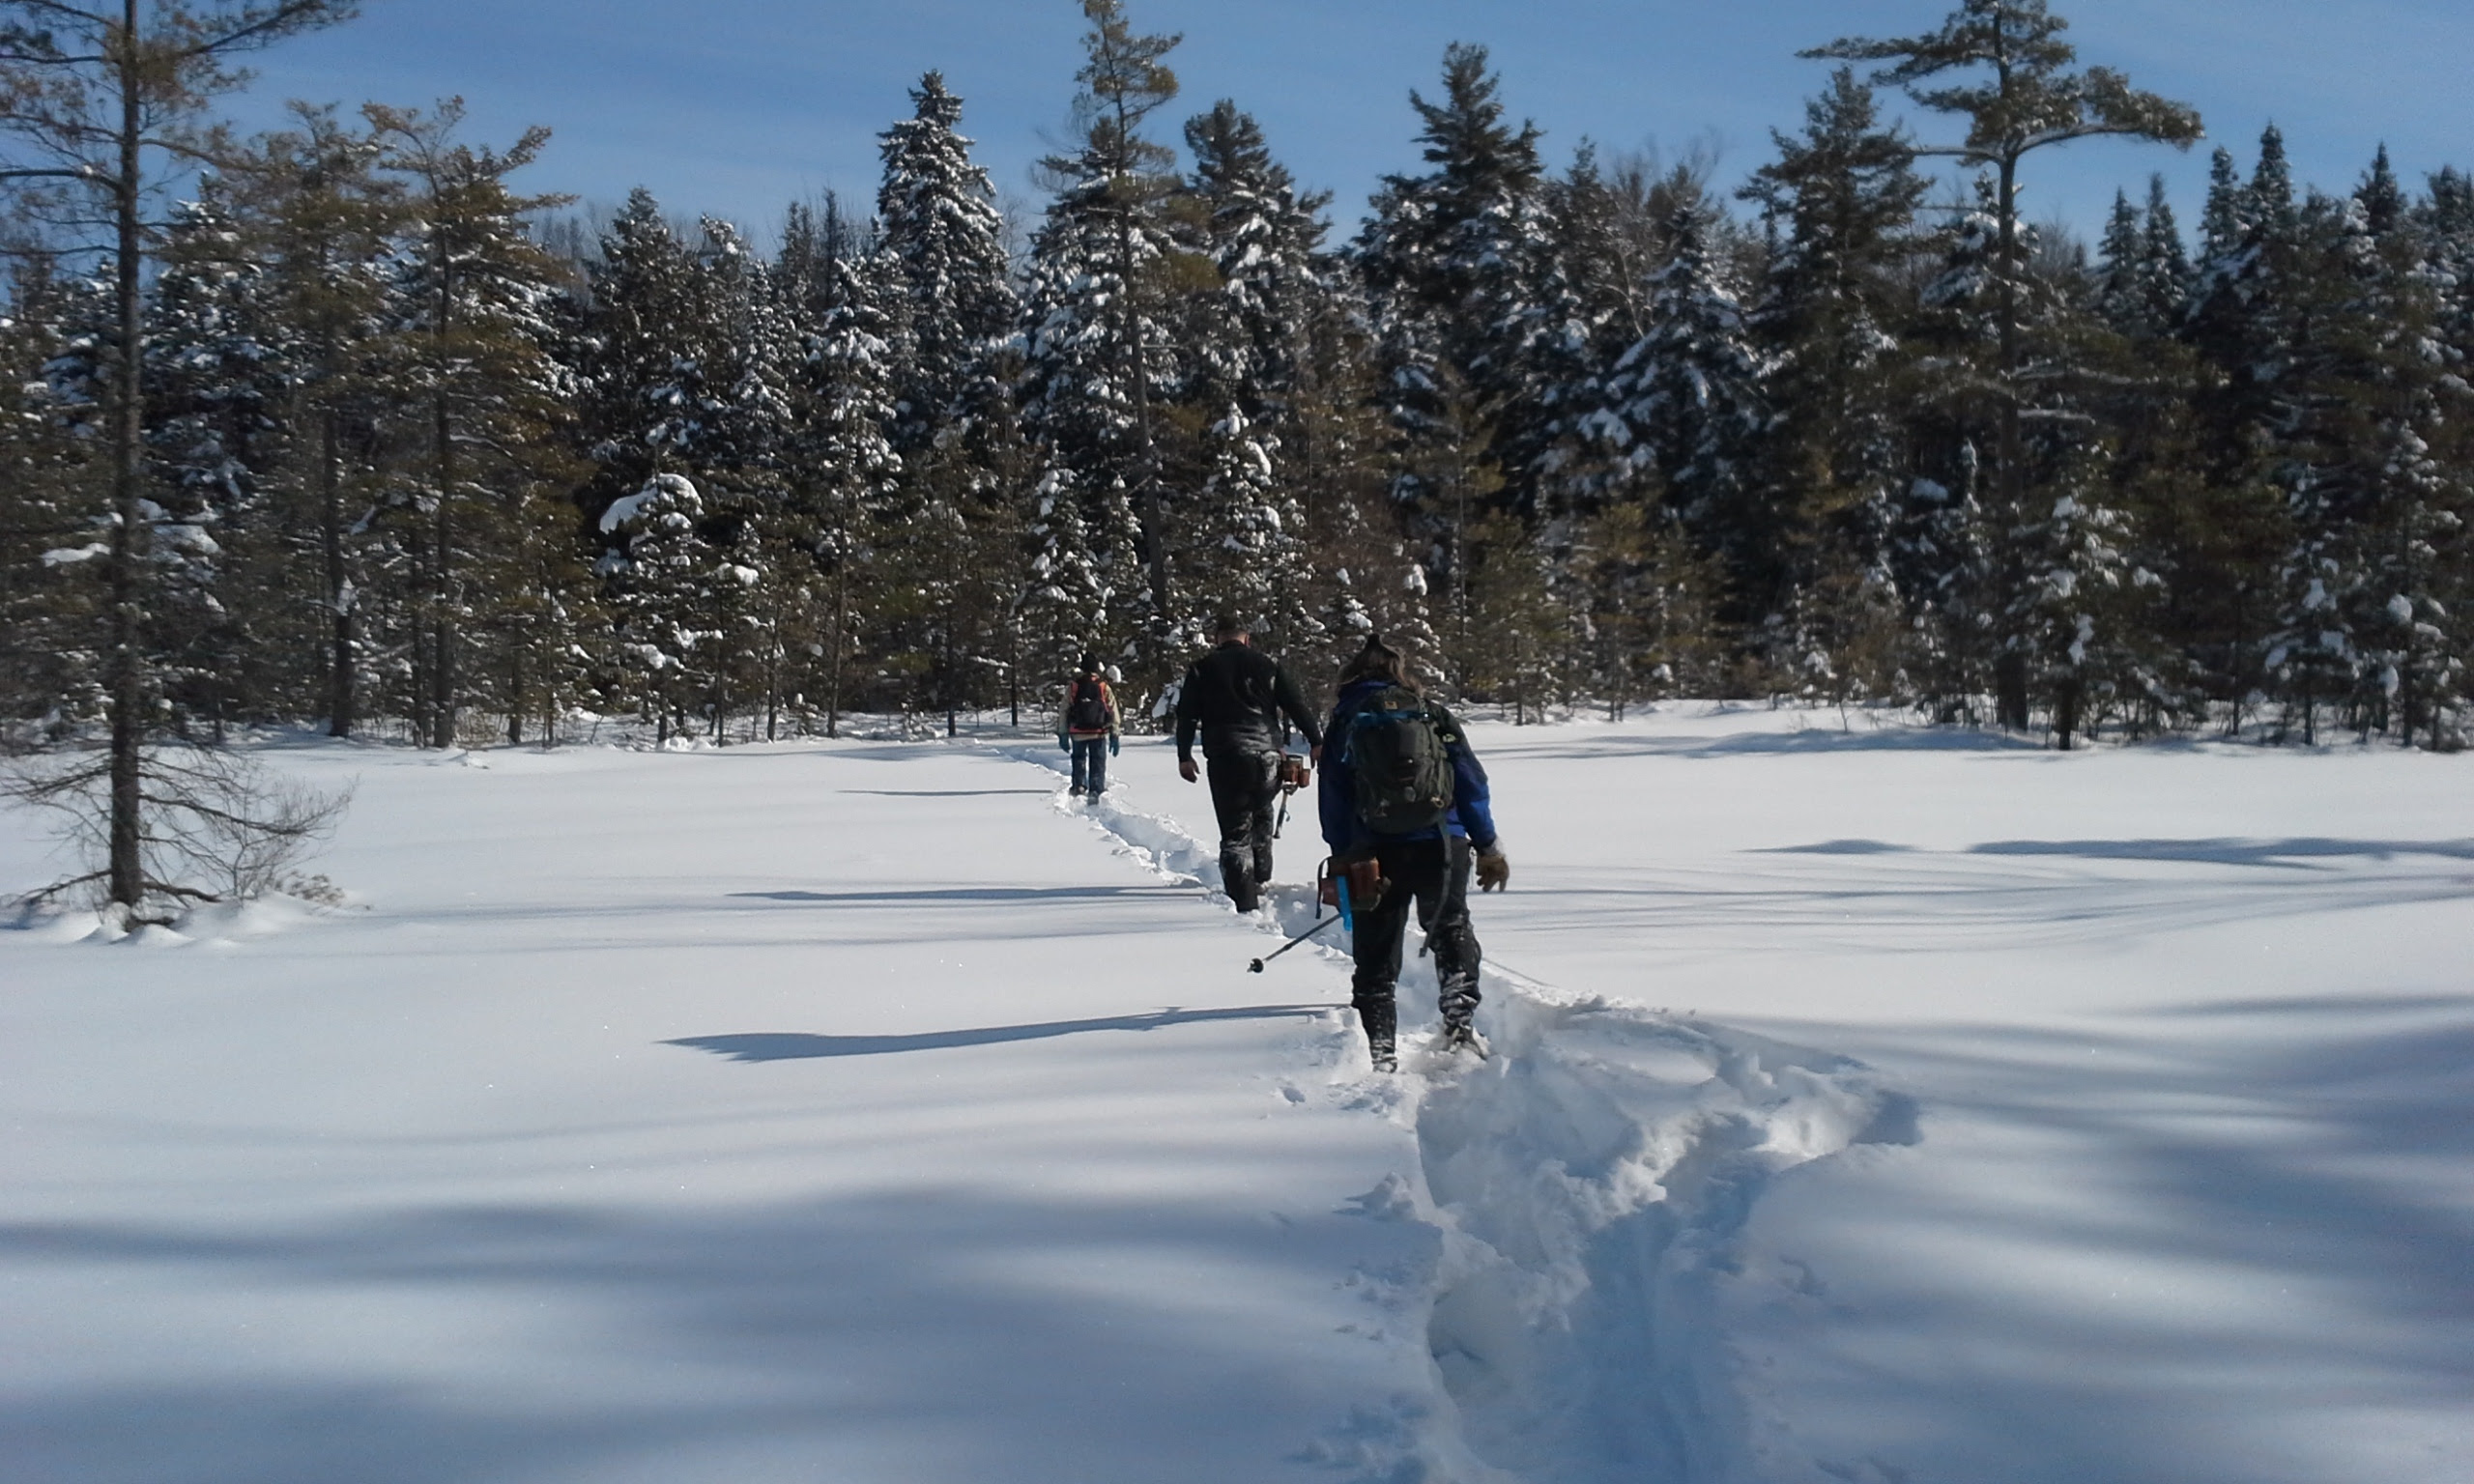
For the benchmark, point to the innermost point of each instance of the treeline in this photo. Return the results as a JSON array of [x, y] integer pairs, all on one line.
[[417, 448]]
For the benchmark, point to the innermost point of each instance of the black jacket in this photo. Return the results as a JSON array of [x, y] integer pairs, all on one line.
[[1235, 695]]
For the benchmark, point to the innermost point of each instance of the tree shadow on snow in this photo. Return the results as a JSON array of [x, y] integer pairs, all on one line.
[[2292, 1158], [1872, 897], [944, 1334], [796, 1046], [2284, 854], [1565, 747]]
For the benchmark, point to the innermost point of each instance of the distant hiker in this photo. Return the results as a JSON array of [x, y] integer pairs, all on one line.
[[1088, 728], [1236, 697], [1401, 788]]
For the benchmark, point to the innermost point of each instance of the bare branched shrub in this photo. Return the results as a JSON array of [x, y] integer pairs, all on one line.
[[215, 825]]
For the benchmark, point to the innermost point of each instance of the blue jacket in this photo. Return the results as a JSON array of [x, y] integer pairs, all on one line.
[[1472, 816]]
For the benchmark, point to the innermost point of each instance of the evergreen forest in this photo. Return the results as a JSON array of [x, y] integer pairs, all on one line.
[[350, 426]]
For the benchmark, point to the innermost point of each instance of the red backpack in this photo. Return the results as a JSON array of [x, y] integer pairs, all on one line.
[[1088, 710]]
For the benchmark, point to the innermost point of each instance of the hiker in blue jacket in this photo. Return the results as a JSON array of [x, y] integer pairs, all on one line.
[[1429, 866]]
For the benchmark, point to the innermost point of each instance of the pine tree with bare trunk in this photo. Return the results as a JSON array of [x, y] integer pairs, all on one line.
[[2002, 65], [103, 107]]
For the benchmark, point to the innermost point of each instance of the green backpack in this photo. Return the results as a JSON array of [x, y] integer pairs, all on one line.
[[1401, 761]]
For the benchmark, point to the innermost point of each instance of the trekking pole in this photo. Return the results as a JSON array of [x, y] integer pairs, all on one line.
[[1256, 966], [1289, 786]]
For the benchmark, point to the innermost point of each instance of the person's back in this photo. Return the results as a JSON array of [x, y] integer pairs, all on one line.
[[1402, 787], [1088, 728], [1234, 699], [1350, 820]]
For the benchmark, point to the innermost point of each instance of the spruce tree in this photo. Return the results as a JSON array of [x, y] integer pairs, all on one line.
[[1246, 342], [1593, 304], [2166, 273], [846, 461], [1690, 389], [474, 297], [211, 386], [322, 220], [943, 243], [2121, 297], [1102, 350], [2376, 510], [645, 310], [1840, 201], [53, 585], [2245, 309], [937, 217], [1452, 261], [1367, 576], [661, 574], [754, 355]]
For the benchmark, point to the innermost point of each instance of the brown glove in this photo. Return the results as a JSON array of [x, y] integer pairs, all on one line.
[[1494, 870]]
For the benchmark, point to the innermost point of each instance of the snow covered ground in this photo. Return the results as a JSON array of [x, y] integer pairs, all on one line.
[[1869, 1105]]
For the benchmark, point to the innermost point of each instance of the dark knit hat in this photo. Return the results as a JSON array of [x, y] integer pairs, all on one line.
[[1376, 660]]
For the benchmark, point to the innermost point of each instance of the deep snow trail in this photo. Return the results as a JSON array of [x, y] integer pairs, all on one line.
[[2186, 1031], [1587, 1183], [772, 1114], [2189, 1030]]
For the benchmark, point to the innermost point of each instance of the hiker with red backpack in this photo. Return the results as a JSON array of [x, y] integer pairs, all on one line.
[[1088, 728], [1405, 809]]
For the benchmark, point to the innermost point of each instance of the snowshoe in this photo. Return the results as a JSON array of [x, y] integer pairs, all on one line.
[[1460, 1037]]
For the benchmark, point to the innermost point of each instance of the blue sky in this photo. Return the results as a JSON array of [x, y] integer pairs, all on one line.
[[739, 106]]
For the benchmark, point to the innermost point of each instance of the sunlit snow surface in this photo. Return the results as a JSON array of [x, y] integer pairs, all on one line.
[[1868, 1104]]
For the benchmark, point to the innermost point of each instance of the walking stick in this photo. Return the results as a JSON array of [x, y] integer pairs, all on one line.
[[1292, 776], [1256, 966]]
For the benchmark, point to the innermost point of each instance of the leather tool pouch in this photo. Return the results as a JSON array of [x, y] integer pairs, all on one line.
[[1365, 877]]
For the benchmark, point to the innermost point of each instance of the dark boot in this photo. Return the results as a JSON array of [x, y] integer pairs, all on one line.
[[1380, 1020], [1237, 875], [1458, 1002]]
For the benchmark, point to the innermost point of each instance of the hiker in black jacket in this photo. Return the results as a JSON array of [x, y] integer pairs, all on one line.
[[1235, 697], [1423, 862]]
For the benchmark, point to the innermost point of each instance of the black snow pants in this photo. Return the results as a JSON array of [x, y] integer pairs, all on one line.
[[1245, 793], [1434, 876]]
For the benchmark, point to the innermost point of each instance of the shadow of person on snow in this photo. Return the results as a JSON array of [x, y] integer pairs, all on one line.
[[971, 894], [795, 1045]]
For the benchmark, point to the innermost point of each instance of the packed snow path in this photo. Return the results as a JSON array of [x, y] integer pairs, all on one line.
[[874, 1113], [1588, 1182]]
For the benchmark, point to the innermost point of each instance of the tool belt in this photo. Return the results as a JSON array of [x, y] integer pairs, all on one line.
[[1365, 877]]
